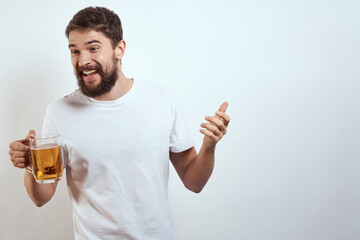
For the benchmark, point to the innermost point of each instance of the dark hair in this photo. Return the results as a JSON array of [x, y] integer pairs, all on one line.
[[99, 19]]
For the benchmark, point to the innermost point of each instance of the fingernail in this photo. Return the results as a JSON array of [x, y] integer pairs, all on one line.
[[218, 112]]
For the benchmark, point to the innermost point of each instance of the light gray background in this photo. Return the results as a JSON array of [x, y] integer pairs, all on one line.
[[288, 167]]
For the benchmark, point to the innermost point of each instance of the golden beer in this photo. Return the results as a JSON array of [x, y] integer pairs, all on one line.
[[47, 162]]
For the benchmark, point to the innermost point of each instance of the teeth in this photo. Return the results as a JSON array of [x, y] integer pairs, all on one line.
[[89, 72]]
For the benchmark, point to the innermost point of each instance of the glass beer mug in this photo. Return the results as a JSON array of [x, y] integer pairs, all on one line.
[[46, 157]]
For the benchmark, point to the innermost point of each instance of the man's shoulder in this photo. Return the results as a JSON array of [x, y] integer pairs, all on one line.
[[73, 99], [154, 89]]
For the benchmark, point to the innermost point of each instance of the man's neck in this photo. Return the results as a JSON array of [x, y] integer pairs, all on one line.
[[121, 87]]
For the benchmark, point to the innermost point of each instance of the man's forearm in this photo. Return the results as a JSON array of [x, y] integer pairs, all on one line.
[[199, 171], [39, 193], [195, 169]]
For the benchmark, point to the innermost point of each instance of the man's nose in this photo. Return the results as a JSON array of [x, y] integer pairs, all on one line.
[[84, 59]]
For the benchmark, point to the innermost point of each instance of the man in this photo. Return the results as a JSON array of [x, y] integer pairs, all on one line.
[[118, 135]]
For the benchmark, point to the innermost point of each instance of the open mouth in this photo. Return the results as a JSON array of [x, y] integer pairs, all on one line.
[[89, 72]]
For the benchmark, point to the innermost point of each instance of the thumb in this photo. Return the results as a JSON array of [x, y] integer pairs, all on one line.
[[31, 134], [223, 107]]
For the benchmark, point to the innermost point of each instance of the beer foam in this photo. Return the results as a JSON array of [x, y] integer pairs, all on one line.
[[45, 146]]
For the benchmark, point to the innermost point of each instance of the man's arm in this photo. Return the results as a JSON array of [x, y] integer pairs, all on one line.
[[195, 169], [20, 156], [39, 193]]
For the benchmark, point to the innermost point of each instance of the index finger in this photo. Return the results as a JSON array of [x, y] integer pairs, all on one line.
[[224, 116], [19, 146]]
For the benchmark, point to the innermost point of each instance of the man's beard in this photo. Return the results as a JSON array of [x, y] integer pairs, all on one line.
[[107, 82]]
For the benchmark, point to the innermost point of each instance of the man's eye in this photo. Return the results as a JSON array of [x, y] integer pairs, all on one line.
[[74, 52], [94, 49]]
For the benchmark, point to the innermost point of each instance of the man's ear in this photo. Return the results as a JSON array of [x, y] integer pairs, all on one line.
[[120, 49]]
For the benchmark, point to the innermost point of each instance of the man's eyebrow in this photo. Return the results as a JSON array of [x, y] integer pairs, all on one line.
[[88, 43], [93, 41]]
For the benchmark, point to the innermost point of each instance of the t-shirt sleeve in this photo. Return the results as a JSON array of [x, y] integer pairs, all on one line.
[[180, 139], [49, 127]]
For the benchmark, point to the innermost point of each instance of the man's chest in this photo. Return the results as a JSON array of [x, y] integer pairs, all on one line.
[[120, 139]]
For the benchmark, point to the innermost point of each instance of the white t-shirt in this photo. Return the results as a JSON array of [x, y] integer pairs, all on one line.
[[117, 160]]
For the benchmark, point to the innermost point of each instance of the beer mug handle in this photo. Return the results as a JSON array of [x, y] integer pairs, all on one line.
[[33, 142]]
